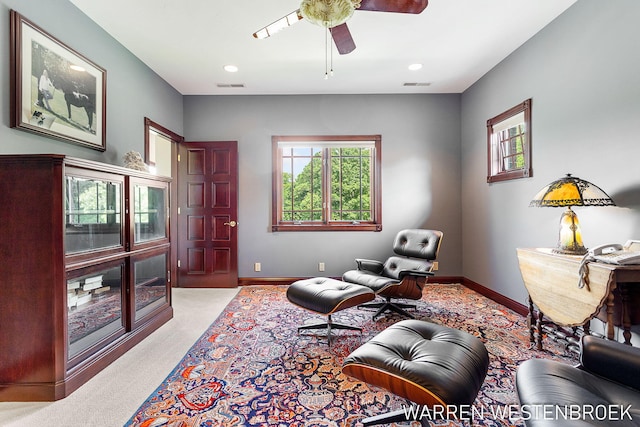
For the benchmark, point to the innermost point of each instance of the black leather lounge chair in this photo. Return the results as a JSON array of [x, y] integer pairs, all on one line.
[[603, 390], [403, 275]]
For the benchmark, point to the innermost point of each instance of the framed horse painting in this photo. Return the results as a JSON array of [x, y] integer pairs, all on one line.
[[55, 91]]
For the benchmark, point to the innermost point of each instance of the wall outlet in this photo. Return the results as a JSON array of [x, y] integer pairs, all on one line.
[[321, 266], [435, 266], [257, 267]]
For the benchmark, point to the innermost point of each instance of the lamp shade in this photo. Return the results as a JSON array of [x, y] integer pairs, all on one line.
[[571, 191], [566, 192]]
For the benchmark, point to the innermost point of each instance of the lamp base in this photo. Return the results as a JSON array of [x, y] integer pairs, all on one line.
[[570, 237], [578, 251]]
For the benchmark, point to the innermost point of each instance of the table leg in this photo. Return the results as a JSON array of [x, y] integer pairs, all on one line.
[[531, 324], [610, 322], [539, 328], [626, 316]]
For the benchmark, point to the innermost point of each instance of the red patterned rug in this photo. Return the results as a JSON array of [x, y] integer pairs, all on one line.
[[252, 368]]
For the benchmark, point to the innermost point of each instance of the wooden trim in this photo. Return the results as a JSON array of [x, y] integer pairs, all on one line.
[[275, 281], [519, 308], [169, 134], [264, 281], [173, 186]]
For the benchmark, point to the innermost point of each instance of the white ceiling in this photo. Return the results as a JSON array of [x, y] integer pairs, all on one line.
[[187, 42]]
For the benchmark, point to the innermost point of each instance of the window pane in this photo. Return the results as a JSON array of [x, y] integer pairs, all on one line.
[[93, 213], [350, 184], [302, 184], [512, 148], [302, 151]]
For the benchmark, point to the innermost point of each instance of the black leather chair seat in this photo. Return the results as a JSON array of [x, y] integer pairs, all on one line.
[[371, 280], [403, 275], [326, 296], [607, 381], [426, 363]]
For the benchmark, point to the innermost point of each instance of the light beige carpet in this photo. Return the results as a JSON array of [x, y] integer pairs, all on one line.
[[110, 397]]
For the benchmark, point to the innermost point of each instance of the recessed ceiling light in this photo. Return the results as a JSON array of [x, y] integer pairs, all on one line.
[[231, 68], [415, 67]]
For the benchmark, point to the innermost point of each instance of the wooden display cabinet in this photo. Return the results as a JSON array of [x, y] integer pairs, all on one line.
[[85, 271]]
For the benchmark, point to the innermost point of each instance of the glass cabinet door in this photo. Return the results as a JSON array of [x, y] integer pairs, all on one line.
[[94, 308], [150, 277], [93, 213], [149, 213]]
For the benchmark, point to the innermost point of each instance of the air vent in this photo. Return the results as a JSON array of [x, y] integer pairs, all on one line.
[[415, 84], [234, 85]]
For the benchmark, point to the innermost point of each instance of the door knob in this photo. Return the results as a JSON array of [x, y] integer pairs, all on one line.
[[231, 224]]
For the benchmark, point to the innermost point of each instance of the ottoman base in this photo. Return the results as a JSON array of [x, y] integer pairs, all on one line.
[[327, 296], [329, 326]]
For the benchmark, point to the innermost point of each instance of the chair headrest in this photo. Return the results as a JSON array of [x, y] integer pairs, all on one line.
[[418, 243]]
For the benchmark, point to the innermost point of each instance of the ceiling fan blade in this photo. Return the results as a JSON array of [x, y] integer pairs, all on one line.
[[399, 6], [342, 38], [274, 27]]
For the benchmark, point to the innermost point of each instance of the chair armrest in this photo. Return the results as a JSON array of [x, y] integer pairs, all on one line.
[[417, 273], [611, 359], [370, 265]]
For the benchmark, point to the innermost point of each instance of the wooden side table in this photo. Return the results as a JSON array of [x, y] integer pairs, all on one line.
[[553, 283]]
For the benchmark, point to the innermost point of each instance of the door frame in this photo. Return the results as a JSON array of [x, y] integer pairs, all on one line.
[[150, 125]]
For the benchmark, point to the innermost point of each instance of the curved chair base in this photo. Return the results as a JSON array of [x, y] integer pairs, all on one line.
[[388, 305]]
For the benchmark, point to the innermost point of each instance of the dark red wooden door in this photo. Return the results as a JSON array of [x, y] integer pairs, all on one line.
[[207, 219]]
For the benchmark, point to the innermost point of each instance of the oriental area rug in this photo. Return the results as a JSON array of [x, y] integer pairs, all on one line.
[[252, 367]]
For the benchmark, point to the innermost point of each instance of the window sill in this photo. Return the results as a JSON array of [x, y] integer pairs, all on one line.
[[326, 227], [505, 176]]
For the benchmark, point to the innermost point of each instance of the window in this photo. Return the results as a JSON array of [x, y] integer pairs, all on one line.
[[509, 144], [326, 183]]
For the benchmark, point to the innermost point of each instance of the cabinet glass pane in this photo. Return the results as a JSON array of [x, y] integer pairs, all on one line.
[[149, 213], [94, 310], [92, 213], [151, 284]]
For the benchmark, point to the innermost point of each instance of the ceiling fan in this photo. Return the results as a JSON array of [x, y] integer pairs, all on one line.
[[333, 14]]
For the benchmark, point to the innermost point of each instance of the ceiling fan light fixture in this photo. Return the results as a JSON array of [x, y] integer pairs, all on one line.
[[328, 13], [280, 24]]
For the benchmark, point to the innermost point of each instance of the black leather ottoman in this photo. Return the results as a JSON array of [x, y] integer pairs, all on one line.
[[426, 363], [327, 296]]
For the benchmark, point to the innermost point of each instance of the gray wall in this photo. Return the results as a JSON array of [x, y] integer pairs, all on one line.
[[133, 90], [420, 172], [583, 73]]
